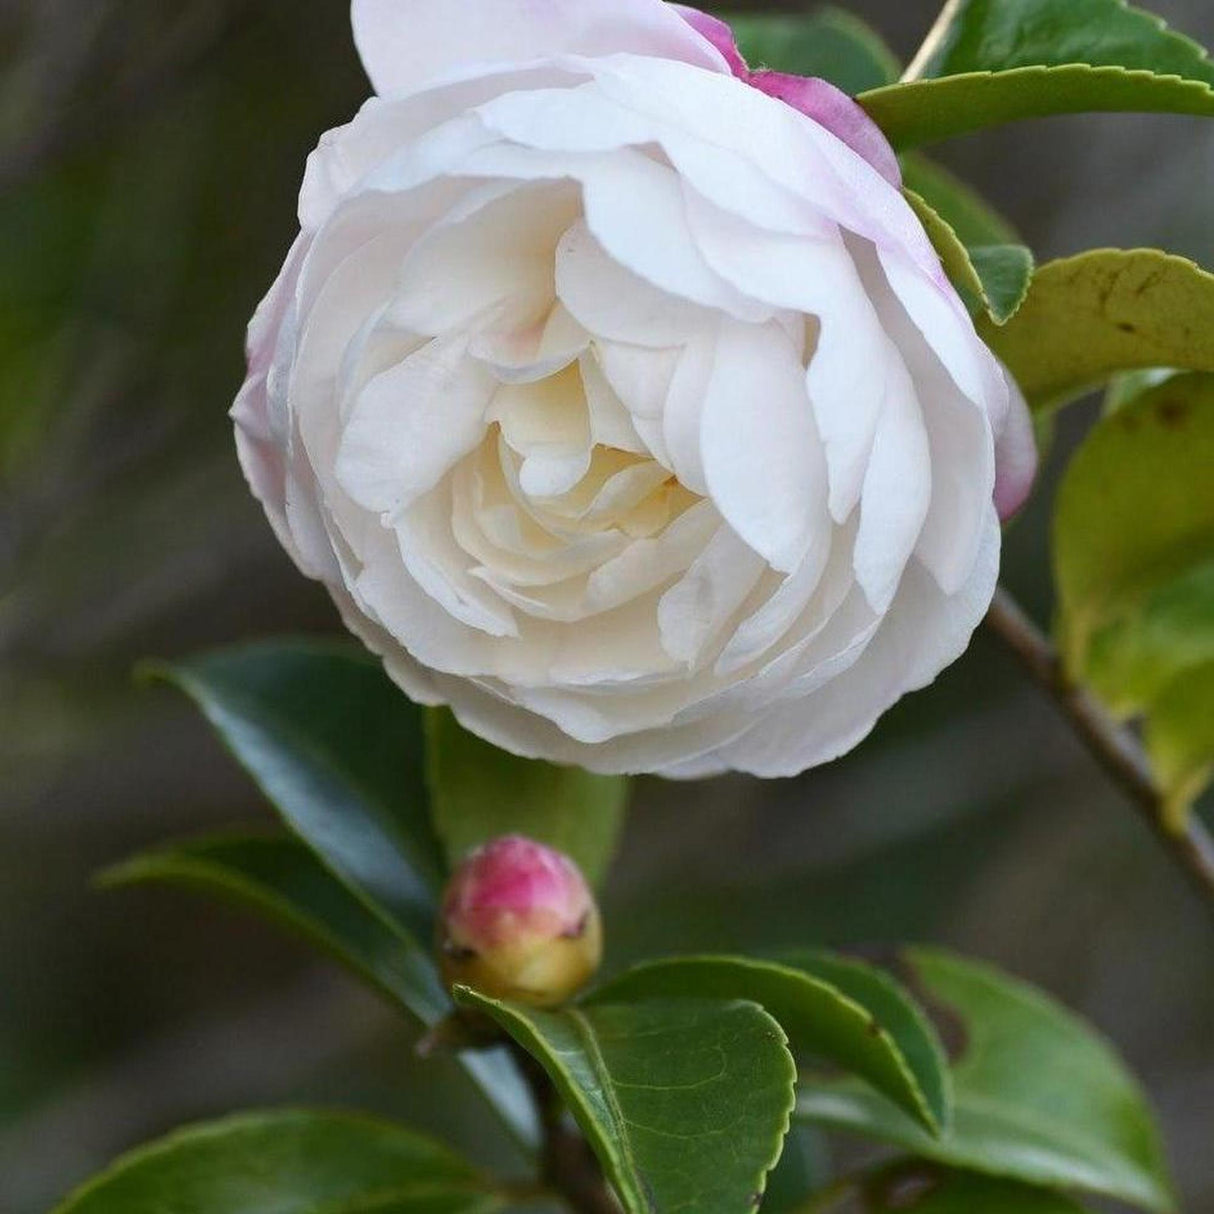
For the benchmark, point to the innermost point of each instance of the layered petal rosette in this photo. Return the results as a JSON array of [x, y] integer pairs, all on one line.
[[618, 396]]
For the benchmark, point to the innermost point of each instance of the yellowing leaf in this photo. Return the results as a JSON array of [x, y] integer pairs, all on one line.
[[1086, 318], [1134, 565]]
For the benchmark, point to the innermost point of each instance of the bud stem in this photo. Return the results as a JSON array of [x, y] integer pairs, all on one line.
[[1115, 748], [567, 1163]]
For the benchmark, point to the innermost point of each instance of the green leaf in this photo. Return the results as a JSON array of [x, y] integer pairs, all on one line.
[[974, 220], [999, 61], [1134, 566], [995, 35], [1129, 385], [891, 1006], [993, 280], [281, 879], [479, 792], [926, 111], [1086, 318], [1129, 649], [870, 1030], [1005, 272], [829, 43], [1131, 528], [1180, 739], [916, 1188], [685, 1101], [338, 749], [1038, 1096], [288, 1162]]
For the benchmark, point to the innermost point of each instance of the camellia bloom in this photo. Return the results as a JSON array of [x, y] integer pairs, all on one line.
[[619, 398], [519, 922]]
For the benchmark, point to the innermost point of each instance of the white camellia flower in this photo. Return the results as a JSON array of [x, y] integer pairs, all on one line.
[[619, 398]]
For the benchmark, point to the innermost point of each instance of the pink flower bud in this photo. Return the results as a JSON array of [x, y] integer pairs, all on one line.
[[519, 922]]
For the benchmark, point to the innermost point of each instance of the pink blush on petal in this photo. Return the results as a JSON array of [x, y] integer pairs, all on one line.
[[719, 33], [820, 100], [838, 113]]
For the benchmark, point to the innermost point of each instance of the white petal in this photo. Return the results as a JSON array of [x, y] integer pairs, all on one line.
[[634, 207], [440, 567], [923, 632], [848, 370], [762, 458], [897, 491], [613, 303], [683, 415], [959, 435], [695, 609], [609, 418], [411, 424], [406, 44], [494, 252]]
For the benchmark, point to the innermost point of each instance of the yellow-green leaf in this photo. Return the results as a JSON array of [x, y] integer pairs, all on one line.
[[478, 792], [1134, 565], [1088, 317], [1180, 739]]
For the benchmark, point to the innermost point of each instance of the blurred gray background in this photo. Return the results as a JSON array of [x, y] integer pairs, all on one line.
[[149, 158]]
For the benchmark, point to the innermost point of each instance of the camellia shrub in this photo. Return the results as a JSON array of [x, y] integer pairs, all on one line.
[[648, 402]]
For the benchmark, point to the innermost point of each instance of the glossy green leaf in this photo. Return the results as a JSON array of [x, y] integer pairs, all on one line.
[[974, 220], [685, 1101], [281, 879], [1005, 272], [1086, 318], [878, 1038], [918, 1188], [992, 280], [927, 111], [479, 792], [338, 749], [995, 35], [892, 1006], [288, 1162], [999, 61], [829, 43], [1134, 565], [1038, 1096]]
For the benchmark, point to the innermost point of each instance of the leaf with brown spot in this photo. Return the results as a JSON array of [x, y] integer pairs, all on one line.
[[1087, 318]]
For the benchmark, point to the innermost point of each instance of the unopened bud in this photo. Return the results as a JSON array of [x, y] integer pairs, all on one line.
[[519, 922]]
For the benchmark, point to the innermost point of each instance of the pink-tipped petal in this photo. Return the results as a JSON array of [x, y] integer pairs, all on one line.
[[519, 922], [719, 33], [833, 109], [1016, 457], [408, 44], [820, 100]]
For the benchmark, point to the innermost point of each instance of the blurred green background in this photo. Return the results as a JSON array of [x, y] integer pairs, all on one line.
[[149, 158]]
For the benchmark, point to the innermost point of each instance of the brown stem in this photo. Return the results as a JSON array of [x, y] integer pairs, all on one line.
[[1115, 748], [933, 41], [567, 1164]]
